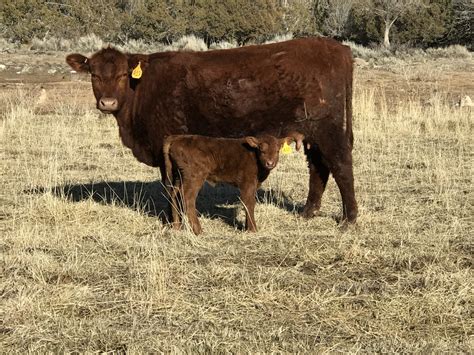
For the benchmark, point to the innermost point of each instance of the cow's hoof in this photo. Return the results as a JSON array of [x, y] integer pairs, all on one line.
[[346, 226], [309, 212], [348, 219], [344, 222]]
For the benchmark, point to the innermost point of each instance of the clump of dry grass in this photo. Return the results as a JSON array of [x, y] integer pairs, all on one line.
[[223, 45], [140, 46], [7, 46], [189, 43], [452, 51], [280, 38], [87, 264], [404, 55]]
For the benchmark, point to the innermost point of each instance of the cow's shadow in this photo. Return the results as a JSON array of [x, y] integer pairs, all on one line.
[[220, 201]]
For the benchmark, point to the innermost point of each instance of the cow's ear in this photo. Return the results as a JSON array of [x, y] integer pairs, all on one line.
[[137, 62], [252, 141], [78, 62]]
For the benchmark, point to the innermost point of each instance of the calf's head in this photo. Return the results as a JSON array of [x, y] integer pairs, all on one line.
[[268, 147], [110, 72]]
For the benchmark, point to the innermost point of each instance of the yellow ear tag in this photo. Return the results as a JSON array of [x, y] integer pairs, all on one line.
[[137, 72], [286, 149]]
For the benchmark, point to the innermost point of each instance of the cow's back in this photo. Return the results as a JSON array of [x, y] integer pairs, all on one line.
[[293, 85]]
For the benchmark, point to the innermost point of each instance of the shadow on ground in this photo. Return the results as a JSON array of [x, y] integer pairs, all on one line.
[[220, 201]]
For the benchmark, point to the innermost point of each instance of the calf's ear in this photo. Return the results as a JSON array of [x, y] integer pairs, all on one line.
[[252, 141], [78, 62]]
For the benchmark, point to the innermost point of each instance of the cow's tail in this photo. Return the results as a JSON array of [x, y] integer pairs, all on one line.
[[168, 164], [348, 103]]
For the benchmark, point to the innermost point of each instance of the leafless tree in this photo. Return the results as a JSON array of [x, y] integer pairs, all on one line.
[[337, 15], [389, 11]]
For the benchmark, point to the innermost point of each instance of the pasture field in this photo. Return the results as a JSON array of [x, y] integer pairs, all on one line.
[[87, 264]]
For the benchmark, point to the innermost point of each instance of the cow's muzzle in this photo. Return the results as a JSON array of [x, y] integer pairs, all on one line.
[[107, 104]]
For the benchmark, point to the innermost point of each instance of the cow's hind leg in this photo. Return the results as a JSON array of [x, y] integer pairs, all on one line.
[[344, 176], [318, 178], [337, 153]]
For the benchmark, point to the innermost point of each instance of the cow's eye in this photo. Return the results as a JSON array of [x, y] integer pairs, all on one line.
[[122, 76], [95, 76]]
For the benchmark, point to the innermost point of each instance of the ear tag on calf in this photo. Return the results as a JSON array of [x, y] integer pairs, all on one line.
[[137, 72], [286, 149]]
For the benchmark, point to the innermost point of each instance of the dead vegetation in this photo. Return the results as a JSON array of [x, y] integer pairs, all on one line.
[[87, 265]]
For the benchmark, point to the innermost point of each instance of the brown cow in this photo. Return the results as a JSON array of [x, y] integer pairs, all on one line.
[[302, 85], [245, 163]]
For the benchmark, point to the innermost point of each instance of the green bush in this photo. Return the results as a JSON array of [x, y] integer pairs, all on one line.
[[436, 23], [22, 20]]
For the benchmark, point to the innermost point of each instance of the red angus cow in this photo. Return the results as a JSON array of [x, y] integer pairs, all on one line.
[[302, 85]]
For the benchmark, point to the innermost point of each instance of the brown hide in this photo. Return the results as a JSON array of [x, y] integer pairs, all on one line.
[[303, 85]]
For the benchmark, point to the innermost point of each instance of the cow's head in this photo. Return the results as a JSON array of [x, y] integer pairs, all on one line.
[[110, 72], [268, 147]]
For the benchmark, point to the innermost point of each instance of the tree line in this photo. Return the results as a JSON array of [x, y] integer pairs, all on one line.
[[417, 23]]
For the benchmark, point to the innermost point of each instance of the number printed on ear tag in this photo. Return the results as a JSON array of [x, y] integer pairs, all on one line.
[[137, 72], [286, 149]]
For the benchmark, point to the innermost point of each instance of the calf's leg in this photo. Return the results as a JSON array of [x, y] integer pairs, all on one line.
[[247, 195], [176, 203], [191, 188]]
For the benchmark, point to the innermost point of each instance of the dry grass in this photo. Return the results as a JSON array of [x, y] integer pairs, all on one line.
[[87, 264]]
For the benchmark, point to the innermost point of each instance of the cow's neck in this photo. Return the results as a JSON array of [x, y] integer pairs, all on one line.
[[125, 119]]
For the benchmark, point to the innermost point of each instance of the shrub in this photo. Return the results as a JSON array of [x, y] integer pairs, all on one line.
[[453, 51], [50, 44], [6, 45], [89, 43], [23, 20], [152, 21], [190, 43], [280, 38], [140, 46], [223, 45], [367, 53]]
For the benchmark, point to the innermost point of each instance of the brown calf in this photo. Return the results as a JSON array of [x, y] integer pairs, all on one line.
[[245, 163]]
